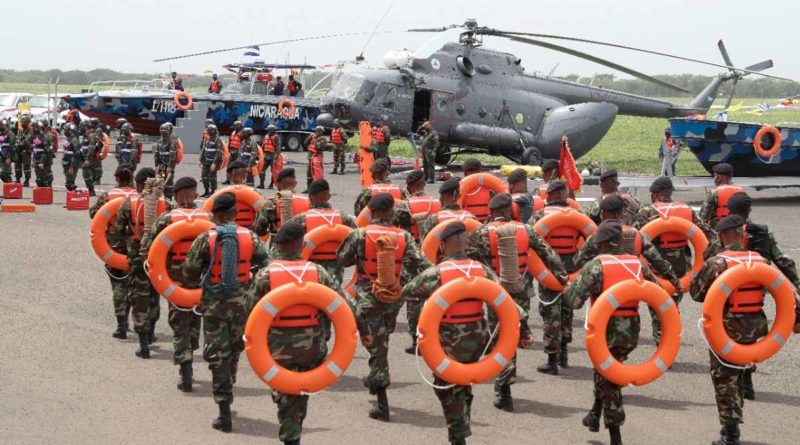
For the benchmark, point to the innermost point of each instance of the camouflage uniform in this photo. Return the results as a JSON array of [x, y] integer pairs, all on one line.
[[42, 158], [96, 148], [166, 153], [71, 163], [224, 315], [129, 150], [432, 220], [269, 159], [248, 153], [8, 147], [708, 210], [479, 249], [211, 154], [632, 206], [463, 342], [381, 150], [339, 151], [119, 278], [622, 333], [333, 267], [363, 198], [266, 220], [429, 144], [22, 161], [87, 153]]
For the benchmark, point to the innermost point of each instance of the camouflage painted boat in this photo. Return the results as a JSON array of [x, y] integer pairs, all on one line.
[[713, 142]]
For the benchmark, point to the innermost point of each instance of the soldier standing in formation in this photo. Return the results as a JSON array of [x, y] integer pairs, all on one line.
[[8, 142], [525, 203], [235, 141], [272, 150], [71, 160], [97, 143], [429, 144], [609, 185], [22, 163], [268, 219], [381, 136], [166, 153], [249, 155], [381, 184], [715, 206], [42, 155], [339, 141], [210, 160], [86, 155], [129, 147], [315, 143]]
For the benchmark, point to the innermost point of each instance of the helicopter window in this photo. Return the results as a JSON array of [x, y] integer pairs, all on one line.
[[353, 88], [520, 118], [385, 96], [461, 109]]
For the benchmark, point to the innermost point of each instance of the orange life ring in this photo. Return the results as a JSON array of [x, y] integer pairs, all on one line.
[[260, 164], [430, 319], [183, 95], [364, 218], [97, 232], [324, 234], [106, 146], [569, 217], [597, 322], [776, 146], [244, 194], [157, 261], [714, 305], [472, 182], [697, 238], [433, 239], [256, 333], [286, 108]]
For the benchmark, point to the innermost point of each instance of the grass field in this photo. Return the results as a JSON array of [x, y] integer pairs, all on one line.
[[41, 88]]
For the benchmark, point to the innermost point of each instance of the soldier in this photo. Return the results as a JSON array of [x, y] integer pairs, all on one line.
[[166, 153], [86, 155], [129, 147], [609, 185], [51, 140], [142, 298], [525, 203], [220, 261], [185, 322], [272, 150], [715, 207], [120, 122], [268, 219], [71, 159], [378, 291], [234, 143], [502, 237], [249, 155], [462, 331], [210, 160], [316, 143], [622, 334], [176, 82], [448, 198], [339, 141], [22, 161], [476, 201], [550, 172], [744, 320], [429, 144], [8, 148], [381, 136], [381, 184], [297, 341], [668, 153], [293, 86], [97, 145], [236, 173], [215, 87], [204, 137], [42, 155], [472, 166], [119, 279]]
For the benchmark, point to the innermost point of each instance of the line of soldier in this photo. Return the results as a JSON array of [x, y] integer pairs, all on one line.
[[31, 145], [251, 269]]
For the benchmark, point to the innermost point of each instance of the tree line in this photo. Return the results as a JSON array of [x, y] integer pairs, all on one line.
[[79, 77]]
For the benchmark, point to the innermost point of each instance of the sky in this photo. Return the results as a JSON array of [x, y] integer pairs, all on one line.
[[127, 35]]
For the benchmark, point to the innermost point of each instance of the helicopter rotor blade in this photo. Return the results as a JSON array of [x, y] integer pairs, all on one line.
[[730, 96], [725, 55], [436, 42], [594, 59], [760, 66]]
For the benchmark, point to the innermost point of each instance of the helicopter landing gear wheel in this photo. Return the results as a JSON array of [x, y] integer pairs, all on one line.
[[443, 155], [532, 156]]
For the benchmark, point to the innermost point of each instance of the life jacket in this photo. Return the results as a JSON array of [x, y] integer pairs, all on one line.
[[447, 215], [292, 87], [320, 217], [543, 191], [236, 141], [377, 135], [522, 245], [181, 247], [209, 150], [38, 149], [563, 240], [54, 133], [312, 145], [246, 152], [284, 272], [245, 253], [164, 151], [372, 232], [215, 87], [84, 148], [538, 204], [476, 201], [391, 189], [269, 144], [137, 213], [300, 204], [245, 215], [618, 268], [424, 205], [336, 136], [749, 297], [631, 240], [470, 309], [724, 193], [115, 193], [673, 240]]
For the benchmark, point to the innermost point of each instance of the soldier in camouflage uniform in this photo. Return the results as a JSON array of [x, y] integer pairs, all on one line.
[[742, 325], [8, 143], [380, 176], [480, 248], [129, 147], [451, 209], [339, 141], [71, 159], [210, 160], [22, 162], [166, 156], [96, 147], [272, 150], [429, 143], [525, 202], [316, 143], [267, 219], [185, 322], [86, 154], [42, 155], [622, 333], [218, 268], [248, 154], [379, 316], [463, 341], [609, 185], [714, 206]]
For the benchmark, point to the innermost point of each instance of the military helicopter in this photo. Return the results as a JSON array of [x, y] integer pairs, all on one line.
[[481, 101]]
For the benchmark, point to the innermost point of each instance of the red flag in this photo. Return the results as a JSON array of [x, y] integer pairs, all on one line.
[[567, 168]]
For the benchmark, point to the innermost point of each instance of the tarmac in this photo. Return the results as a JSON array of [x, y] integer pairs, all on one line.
[[64, 379]]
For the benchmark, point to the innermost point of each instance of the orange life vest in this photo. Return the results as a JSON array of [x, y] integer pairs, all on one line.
[[618, 268], [446, 215], [320, 217], [468, 310], [285, 272], [543, 191], [312, 145], [672, 240], [137, 213], [377, 135], [236, 141], [300, 204], [421, 205], [372, 232], [337, 137], [563, 240], [115, 193], [522, 245], [216, 85], [181, 247], [269, 143], [245, 254], [391, 189], [749, 297], [538, 204], [245, 215], [476, 201], [724, 193]]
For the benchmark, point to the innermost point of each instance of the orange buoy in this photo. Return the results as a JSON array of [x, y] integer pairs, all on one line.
[[97, 233], [697, 238], [433, 240], [286, 108], [776, 145], [182, 95], [568, 217]]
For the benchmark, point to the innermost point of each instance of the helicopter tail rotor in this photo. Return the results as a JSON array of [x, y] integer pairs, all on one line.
[[734, 74]]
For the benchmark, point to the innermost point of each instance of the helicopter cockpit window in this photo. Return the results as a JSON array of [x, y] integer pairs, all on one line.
[[347, 87], [385, 96]]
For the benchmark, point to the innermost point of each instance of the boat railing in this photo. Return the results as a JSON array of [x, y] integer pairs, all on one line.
[[788, 124], [129, 85]]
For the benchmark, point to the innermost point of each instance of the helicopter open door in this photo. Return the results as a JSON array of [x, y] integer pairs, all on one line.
[[422, 108]]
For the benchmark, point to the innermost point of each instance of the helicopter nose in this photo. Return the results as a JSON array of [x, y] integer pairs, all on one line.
[[325, 119]]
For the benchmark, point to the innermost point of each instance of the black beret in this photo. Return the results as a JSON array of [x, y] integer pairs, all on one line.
[[122, 168], [224, 202], [453, 228], [186, 182], [144, 174], [612, 203], [415, 176], [500, 201], [730, 222], [740, 203], [517, 175], [723, 168], [381, 201], [549, 164], [609, 174], [286, 173], [608, 231], [291, 231], [556, 185], [661, 184], [236, 164], [319, 186], [472, 164], [449, 185], [379, 166]]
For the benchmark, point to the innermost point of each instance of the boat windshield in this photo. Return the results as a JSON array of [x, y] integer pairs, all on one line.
[[8, 100]]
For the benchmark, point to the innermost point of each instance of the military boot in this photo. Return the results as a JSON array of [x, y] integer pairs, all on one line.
[[27, 182], [592, 420], [144, 346], [461, 441], [413, 348], [502, 398], [151, 334], [615, 435], [551, 367], [91, 191], [122, 328], [380, 410], [185, 384], [729, 434], [748, 391], [563, 355], [291, 442], [223, 422]]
